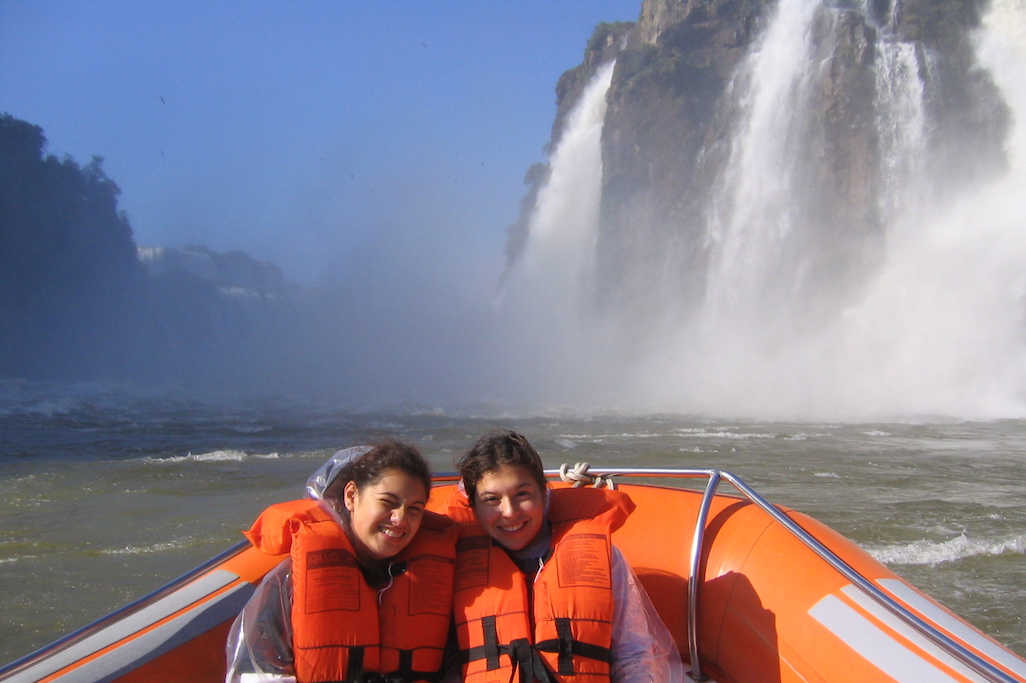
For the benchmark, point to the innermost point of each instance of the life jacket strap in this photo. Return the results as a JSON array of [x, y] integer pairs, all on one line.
[[406, 672], [491, 649], [354, 669], [395, 677], [528, 662], [526, 658], [491, 642], [567, 648]]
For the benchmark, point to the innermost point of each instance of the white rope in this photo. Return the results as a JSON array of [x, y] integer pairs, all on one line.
[[579, 476]]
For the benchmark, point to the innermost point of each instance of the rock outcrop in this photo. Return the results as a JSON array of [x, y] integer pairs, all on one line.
[[237, 276], [675, 123]]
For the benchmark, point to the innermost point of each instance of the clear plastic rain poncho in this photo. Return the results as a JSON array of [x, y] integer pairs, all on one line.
[[259, 645]]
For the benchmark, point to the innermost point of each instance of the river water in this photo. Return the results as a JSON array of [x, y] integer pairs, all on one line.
[[108, 494]]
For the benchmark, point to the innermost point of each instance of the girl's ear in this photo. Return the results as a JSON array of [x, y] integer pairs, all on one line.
[[349, 495]]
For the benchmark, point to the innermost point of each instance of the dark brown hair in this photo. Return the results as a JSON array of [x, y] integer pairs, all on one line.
[[368, 469], [497, 449]]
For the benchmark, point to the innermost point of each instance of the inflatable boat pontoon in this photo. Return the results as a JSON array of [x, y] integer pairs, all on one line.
[[752, 592]]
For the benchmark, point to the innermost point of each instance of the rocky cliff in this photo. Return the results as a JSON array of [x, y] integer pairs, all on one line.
[[680, 107]]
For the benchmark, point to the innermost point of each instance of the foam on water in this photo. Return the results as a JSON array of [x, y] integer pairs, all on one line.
[[214, 456], [721, 434], [154, 548], [934, 553]]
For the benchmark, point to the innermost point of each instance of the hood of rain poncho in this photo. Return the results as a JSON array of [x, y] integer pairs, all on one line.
[[320, 480]]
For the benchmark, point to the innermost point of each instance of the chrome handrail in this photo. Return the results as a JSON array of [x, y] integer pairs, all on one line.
[[928, 630], [695, 574]]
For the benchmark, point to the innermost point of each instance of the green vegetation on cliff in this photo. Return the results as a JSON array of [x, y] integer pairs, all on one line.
[[68, 267]]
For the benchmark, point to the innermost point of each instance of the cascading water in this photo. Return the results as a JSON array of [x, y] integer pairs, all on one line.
[[943, 327], [922, 317], [901, 124], [545, 296], [753, 216], [936, 330], [560, 249]]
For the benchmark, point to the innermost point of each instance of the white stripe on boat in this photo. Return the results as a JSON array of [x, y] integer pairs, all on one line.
[[954, 626], [875, 645], [893, 622], [151, 645]]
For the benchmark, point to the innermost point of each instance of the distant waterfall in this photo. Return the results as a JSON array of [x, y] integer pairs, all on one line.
[[560, 249], [543, 308], [941, 330]]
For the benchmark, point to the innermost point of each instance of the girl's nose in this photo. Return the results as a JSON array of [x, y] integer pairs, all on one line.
[[506, 507], [398, 514]]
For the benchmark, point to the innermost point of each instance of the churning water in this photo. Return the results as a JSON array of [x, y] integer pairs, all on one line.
[[108, 494]]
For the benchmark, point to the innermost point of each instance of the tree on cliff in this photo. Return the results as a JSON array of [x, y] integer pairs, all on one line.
[[69, 275]]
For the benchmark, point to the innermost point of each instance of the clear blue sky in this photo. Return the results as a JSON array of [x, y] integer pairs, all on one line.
[[309, 134]]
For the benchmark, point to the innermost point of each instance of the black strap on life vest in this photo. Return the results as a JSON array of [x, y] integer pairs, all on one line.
[[372, 677], [491, 642], [567, 648], [526, 658], [354, 669], [406, 673], [528, 662]]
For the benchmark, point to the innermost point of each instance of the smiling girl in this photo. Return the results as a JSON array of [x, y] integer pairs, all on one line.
[[367, 586], [541, 593]]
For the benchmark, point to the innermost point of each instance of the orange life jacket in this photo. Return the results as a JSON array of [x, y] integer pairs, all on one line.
[[340, 630], [563, 631]]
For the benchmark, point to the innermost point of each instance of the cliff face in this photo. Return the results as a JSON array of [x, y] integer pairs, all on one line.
[[680, 126], [664, 123]]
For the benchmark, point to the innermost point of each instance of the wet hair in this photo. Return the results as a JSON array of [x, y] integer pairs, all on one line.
[[499, 448], [371, 467]]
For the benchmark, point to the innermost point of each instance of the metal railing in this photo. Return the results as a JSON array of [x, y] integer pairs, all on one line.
[[951, 646]]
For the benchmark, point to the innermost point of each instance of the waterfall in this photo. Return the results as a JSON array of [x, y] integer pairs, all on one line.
[[941, 329], [559, 255], [544, 304], [936, 330], [926, 316], [753, 212], [901, 122]]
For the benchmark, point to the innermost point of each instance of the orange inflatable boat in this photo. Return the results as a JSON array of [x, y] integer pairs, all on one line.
[[753, 593]]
